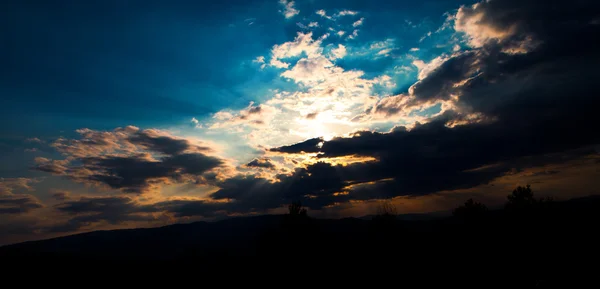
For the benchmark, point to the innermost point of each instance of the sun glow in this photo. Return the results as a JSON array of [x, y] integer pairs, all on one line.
[[325, 125]]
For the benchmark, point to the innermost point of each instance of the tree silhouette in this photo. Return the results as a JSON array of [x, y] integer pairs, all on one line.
[[295, 209], [521, 198], [386, 210], [470, 210]]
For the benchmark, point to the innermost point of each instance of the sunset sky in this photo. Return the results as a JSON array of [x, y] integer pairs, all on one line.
[[123, 114]]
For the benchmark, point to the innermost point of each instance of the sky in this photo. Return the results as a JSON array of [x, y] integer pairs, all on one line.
[[124, 114]]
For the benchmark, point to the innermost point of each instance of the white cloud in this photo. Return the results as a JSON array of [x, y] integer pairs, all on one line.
[[426, 68], [383, 48], [196, 123], [337, 95], [403, 69], [338, 101], [34, 140], [385, 52], [259, 59], [313, 24], [310, 70], [289, 9], [341, 33], [279, 64], [253, 116], [353, 35], [385, 81], [358, 22], [346, 13], [301, 25], [303, 43], [338, 52], [414, 49], [222, 115], [425, 36], [322, 13]]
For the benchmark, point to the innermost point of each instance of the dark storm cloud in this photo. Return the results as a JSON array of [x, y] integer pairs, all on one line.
[[128, 173], [314, 185], [123, 159], [316, 179], [192, 163], [136, 173], [308, 146], [164, 144], [261, 163], [442, 80]]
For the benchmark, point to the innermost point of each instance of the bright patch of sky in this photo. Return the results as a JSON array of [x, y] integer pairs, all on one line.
[[313, 67], [333, 79]]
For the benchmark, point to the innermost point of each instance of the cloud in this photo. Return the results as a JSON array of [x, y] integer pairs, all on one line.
[[502, 105], [383, 47], [308, 146], [289, 10], [8, 185], [353, 35], [86, 211], [196, 122], [338, 52], [255, 194], [522, 95], [260, 60], [311, 70], [261, 163], [253, 116], [301, 25], [161, 142], [312, 115], [303, 43], [346, 13], [429, 158], [313, 24], [322, 13], [337, 94], [358, 22], [34, 140], [487, 21], [61, 195], [58, 167], [414, 49], [129, 159], [17, 203], [385, 52]]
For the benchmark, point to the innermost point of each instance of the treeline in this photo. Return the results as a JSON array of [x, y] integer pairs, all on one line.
[[531, 237]]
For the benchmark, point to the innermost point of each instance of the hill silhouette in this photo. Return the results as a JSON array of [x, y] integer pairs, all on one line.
[[536, 239]]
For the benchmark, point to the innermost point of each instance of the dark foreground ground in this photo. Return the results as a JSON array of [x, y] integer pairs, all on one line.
[[539, 246]]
